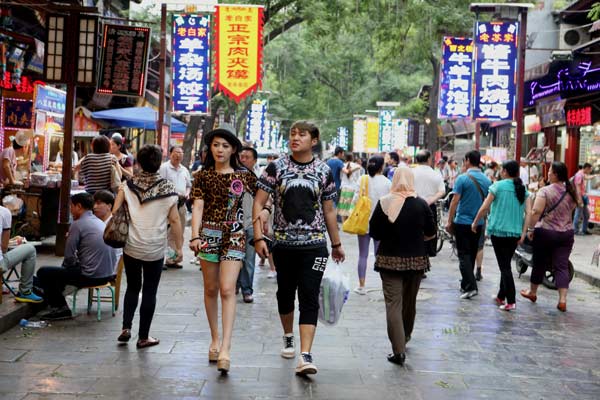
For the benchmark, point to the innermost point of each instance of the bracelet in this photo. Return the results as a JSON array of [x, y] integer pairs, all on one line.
[[259, 240], [196, 238], [530, 229], [268, 209], [335, 246]]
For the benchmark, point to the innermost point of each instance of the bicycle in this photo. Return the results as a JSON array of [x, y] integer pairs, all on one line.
[[442, 234]]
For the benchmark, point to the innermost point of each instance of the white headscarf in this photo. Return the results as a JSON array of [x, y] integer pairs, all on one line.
[[403, 187]]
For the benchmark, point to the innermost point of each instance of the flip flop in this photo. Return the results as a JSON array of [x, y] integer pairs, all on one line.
[[142, 344], [124, 336]]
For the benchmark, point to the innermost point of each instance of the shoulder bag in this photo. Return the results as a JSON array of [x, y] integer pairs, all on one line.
[[117, 228], [358, 222], [115, 175], [548, 211]]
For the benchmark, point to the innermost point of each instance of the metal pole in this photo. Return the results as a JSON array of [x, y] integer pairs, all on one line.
[[521, 84], [162, 74], [477, 134]]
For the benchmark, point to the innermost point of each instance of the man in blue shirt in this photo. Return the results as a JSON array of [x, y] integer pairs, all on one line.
[[336, 164], [87, 261], [470, 189]]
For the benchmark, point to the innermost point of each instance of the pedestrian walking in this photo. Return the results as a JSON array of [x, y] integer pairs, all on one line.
[[470, 189], [303, 190], [152, 205], [402, 222], [582, 214], [377, 186], [336, 164], [507, 204], [218, 233], [350, 177], [550, 226]]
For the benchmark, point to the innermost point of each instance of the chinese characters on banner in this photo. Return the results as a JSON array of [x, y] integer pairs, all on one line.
[[495, 70], [256, 123], [400, 133], [239, 50], [372, 134], [50, 99], [17, 114], [342, 138], [579, 116], [124, 60], [386, 130], [359, 135], [455, 78], [191, 63]]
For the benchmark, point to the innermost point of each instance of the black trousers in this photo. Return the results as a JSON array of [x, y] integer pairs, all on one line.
[[301, 270], [505, 247], [54, 279], [467, 243], [134, 269]]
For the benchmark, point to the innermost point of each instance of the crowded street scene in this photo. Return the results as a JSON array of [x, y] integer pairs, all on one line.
[[297, 199]]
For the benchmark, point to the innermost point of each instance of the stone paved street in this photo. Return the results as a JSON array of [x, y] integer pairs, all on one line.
[[461, 349]]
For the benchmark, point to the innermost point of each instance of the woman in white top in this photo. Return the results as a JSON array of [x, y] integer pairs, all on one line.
[[378, 186], [152, 204], [350, 175]]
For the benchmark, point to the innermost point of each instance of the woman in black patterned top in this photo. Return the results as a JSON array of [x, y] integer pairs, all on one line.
[[402, 222], [218, 236]]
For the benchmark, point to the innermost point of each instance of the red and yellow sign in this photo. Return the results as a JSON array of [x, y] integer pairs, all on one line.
[[239, 50]]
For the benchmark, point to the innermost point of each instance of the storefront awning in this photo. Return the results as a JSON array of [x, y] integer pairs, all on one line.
[[135, 117]]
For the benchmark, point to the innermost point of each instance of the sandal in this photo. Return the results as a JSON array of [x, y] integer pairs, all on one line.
[[213, 355], [124, 336], [143, 343]]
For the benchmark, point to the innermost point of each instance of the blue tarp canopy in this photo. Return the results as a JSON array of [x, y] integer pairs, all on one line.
[[135, 117]]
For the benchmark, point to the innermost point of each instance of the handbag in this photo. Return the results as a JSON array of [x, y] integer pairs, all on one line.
[[115, 175], [358, 222], [117, 228]]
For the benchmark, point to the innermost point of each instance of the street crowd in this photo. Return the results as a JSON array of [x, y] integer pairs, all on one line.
[[287, 214]]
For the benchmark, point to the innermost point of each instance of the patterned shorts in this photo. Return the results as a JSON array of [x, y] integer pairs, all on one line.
[[216, 249]]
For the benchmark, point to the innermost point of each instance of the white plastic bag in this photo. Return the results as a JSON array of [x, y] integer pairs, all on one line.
[[333, 294]]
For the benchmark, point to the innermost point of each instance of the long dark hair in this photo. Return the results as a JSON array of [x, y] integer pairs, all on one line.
[[512, 169], [234, 161], [562, 174], [375, 165]]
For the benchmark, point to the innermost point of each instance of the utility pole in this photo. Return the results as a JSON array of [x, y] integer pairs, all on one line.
[[162, 77], [521, 83]]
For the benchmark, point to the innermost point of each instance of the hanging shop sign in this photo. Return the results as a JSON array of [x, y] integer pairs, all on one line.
[[239, 50], [495, 70], [415, 135], [400, 133], [17, 113], [372, 134], [255, 122], [124, 60], [359, 134], [579, 116], [342, 137], [455, 78], [50, 99], [191, 63], [386, 130], [23, 85]]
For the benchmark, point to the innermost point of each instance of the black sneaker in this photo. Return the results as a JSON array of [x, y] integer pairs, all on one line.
[[306, 365], [56, 313]]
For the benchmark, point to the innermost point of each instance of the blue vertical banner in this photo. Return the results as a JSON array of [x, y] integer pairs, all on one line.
[[386, 130], [495, 81], [342, 138], [255, 122], [456, 70], [191, 63]]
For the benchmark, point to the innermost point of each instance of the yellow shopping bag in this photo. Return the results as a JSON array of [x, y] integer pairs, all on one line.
[[358, 221]]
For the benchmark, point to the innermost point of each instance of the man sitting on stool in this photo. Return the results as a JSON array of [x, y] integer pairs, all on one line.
[[88, 261], [23, 254]]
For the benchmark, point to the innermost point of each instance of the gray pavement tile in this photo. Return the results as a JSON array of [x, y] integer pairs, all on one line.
[[340, 376], [105, 371], [208, 373], [22, 369], [49, 357], [145, 387], [51, 396], [50, 384], [13, 396], [10, 355]]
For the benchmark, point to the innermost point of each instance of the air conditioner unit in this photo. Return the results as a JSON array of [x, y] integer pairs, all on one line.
[[572, 36]]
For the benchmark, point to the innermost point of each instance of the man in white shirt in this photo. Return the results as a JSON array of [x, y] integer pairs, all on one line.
[[173, 171], [528, 173], [429, 185]]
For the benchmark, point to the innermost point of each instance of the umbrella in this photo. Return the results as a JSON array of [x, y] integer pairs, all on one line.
[[135, 117]]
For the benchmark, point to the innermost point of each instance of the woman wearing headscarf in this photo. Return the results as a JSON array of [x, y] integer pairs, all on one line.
[[401, 222]]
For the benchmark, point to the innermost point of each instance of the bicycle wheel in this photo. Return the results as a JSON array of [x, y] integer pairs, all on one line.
[[440, 242]]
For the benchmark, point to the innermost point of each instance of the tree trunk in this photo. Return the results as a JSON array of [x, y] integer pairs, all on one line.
[[432, 128], [190, 138]]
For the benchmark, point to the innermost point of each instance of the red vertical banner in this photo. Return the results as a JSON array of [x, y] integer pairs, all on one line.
[[238, 50]]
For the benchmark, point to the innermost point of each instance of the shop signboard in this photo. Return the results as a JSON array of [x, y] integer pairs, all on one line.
[[495, 70], [372, 134], [400, 133], [124, 60], [594, 208], [386, 130], [415, 135], [255, 122], [581, 116], [359, 134], [191, 63], [17, 114], [342, 138], [239, 49], [50, 99], [456, 77]]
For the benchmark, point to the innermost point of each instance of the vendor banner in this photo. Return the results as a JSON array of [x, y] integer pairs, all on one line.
[[239, 49], [342, 138], [191, 63], [50, 99], [400, 133], [17, 114], [359, 135], [124, 61], [372, 134], [386, 130], [256, 123], [495, 78], [456, 70]]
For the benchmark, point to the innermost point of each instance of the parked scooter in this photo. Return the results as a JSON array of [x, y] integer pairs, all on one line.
[[524, 259]]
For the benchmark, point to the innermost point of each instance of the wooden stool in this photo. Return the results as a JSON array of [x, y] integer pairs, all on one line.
[[98, 298]]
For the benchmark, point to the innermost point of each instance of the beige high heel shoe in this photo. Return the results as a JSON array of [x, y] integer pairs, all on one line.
[[223, 365], [213, 355]]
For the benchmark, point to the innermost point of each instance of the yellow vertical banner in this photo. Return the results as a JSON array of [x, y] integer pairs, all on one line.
[[372, 134], [239, 50]]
